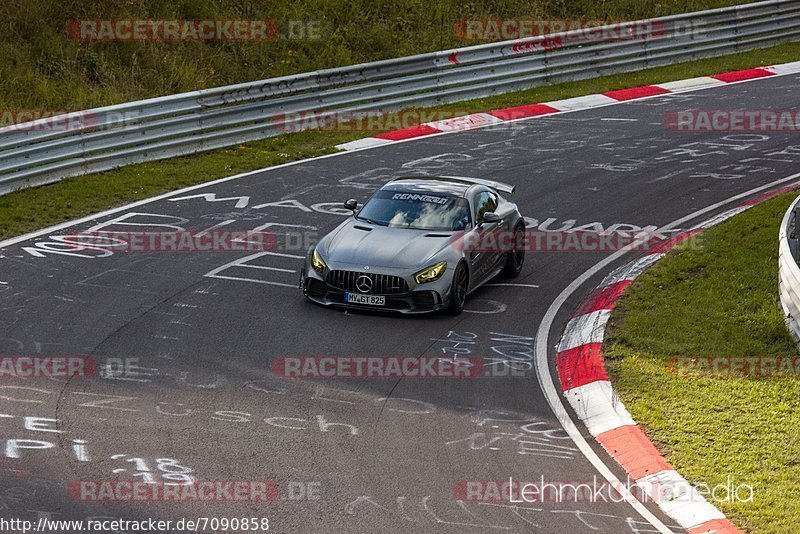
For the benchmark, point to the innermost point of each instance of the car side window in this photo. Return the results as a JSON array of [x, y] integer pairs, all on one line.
[[494, 202], [487, 202]]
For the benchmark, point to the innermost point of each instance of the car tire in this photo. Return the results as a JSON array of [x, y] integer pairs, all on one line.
[[458, 291], [515, 258]]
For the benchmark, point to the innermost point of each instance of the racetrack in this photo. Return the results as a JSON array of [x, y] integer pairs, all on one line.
[[381, 455]]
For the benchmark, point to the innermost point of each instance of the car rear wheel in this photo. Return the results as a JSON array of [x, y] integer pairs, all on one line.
[[515, 257], [458, 292]]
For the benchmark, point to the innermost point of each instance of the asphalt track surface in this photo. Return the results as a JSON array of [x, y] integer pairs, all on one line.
[[378, 455]]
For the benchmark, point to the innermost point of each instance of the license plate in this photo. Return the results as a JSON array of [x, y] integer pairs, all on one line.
[[369, 300]]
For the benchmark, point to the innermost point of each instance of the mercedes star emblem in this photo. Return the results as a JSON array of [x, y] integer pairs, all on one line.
[[364, 283]]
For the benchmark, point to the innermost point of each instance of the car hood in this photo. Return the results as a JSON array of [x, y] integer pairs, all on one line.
[[382, 246]]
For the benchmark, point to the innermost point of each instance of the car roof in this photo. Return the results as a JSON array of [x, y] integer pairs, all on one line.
[[429, 184]]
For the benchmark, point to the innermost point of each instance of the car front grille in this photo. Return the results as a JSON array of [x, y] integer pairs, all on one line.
[[381, 284]]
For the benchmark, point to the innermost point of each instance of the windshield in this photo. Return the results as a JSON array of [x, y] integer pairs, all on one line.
[[420, 211]]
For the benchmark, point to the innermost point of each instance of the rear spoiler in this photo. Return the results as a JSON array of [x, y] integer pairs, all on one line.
[[499, 186]]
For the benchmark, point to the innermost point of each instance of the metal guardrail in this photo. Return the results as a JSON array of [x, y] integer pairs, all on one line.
[[104, 138], [788, 269]]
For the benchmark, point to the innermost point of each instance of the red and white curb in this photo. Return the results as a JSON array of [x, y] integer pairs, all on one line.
[[498, 116], [585, 384]]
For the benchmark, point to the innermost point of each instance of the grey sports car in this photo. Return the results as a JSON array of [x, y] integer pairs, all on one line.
[[419, 244]]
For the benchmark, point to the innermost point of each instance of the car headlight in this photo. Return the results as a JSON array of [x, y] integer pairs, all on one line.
[[430, 274], [317, 263]]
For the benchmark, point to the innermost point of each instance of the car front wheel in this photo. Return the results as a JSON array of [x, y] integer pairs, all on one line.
[[458, 292]]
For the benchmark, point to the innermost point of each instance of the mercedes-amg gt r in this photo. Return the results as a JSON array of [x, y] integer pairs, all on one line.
[[419, 244]]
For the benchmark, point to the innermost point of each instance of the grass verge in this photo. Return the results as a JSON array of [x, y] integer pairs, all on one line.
[[31, 209], [716, 295], [45, 66]]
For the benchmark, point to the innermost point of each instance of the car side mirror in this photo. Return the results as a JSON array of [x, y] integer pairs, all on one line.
[[491, 217], [351, 204]]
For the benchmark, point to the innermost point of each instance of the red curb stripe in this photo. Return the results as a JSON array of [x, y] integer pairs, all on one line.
[[519, 112], [715, 526], [739, 75], [408, 133], [767, 196], [632, 449], [636, 92], [669, 244], [604, 299], [580, 366]]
